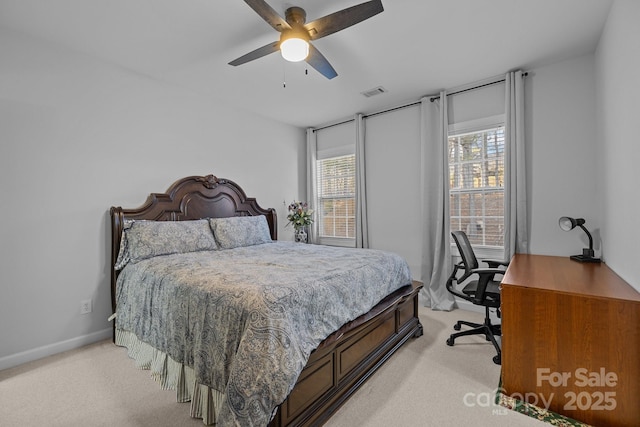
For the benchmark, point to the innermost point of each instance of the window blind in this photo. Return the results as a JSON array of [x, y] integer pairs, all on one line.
[[336, 182], [476, 185]]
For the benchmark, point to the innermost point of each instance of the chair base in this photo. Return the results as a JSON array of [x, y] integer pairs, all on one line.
[[487, 329]]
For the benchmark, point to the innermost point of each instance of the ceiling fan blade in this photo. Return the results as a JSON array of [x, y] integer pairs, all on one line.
[[342, 19], [320, 63], [267, 13], [258, 53]]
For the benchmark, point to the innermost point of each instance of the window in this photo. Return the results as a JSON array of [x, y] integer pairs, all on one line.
[[336, 197], [476, 185]]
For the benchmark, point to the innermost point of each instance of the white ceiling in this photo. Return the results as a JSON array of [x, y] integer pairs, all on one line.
[[413, 48]]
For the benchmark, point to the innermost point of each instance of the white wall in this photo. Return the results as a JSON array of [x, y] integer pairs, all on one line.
[[394, 202], [560, 107], [393, 161], [618, 142], [78, 136], [560, 132], [562, 161], [582, 117]]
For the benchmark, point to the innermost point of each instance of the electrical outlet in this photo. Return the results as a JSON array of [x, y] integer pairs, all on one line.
[[85, 306]]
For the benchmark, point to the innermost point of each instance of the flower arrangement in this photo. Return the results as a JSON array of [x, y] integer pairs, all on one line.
[[300, 215]]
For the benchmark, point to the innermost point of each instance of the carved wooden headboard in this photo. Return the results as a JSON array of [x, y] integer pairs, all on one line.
[[189, 198]]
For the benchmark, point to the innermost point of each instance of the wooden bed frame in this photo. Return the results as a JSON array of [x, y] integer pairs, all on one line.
[[345, 359]]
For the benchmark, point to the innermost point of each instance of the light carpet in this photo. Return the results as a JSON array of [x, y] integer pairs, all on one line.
[[426, 383]]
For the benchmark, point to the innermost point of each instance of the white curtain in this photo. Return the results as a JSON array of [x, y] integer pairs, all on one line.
[[516, 238], [436, 241], [362, 233], [312, 188]]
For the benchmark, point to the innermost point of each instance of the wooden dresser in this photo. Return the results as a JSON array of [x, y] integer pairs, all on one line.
[[571, 339]]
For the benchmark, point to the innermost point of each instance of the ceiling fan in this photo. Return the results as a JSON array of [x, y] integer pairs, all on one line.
[[295, 34]]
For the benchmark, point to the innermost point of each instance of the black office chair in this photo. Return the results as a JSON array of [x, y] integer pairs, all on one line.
[[484, 291]]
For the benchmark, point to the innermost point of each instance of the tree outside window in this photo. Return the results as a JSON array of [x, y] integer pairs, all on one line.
[[476, 185]]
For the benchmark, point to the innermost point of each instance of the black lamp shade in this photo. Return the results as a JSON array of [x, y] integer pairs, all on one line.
[[567, 224]]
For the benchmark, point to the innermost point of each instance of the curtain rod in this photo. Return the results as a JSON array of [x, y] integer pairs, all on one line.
[[332, 125], [368, 115], [433, 98], [411, 104]]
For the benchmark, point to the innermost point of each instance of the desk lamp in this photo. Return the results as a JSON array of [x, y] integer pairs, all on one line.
[[566, 223]]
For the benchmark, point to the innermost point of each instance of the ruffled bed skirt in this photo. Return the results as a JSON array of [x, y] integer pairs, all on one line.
[[171, 375]]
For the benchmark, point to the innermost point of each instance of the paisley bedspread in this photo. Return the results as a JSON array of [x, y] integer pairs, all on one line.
[[247, 319]]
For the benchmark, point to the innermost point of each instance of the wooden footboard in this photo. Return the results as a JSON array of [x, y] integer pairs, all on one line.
[[344, 361]]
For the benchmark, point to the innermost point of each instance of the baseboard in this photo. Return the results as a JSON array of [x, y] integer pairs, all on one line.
[[13, 360], [466, 305], [460, 303]]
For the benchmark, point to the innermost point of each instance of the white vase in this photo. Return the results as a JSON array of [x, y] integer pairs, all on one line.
[[301, 235]]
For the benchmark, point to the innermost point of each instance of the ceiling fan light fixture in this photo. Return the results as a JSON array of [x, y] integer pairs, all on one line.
[[294, 49], [294, 44]]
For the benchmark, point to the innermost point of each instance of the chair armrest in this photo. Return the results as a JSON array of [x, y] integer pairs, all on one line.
[[488, 271], [485, 275], [452, 278], [494, 263]]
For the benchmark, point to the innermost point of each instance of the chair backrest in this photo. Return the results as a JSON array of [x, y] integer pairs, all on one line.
[[466, 252]]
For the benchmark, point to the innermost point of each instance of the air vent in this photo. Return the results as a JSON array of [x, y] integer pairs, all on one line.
[[375, 91]]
